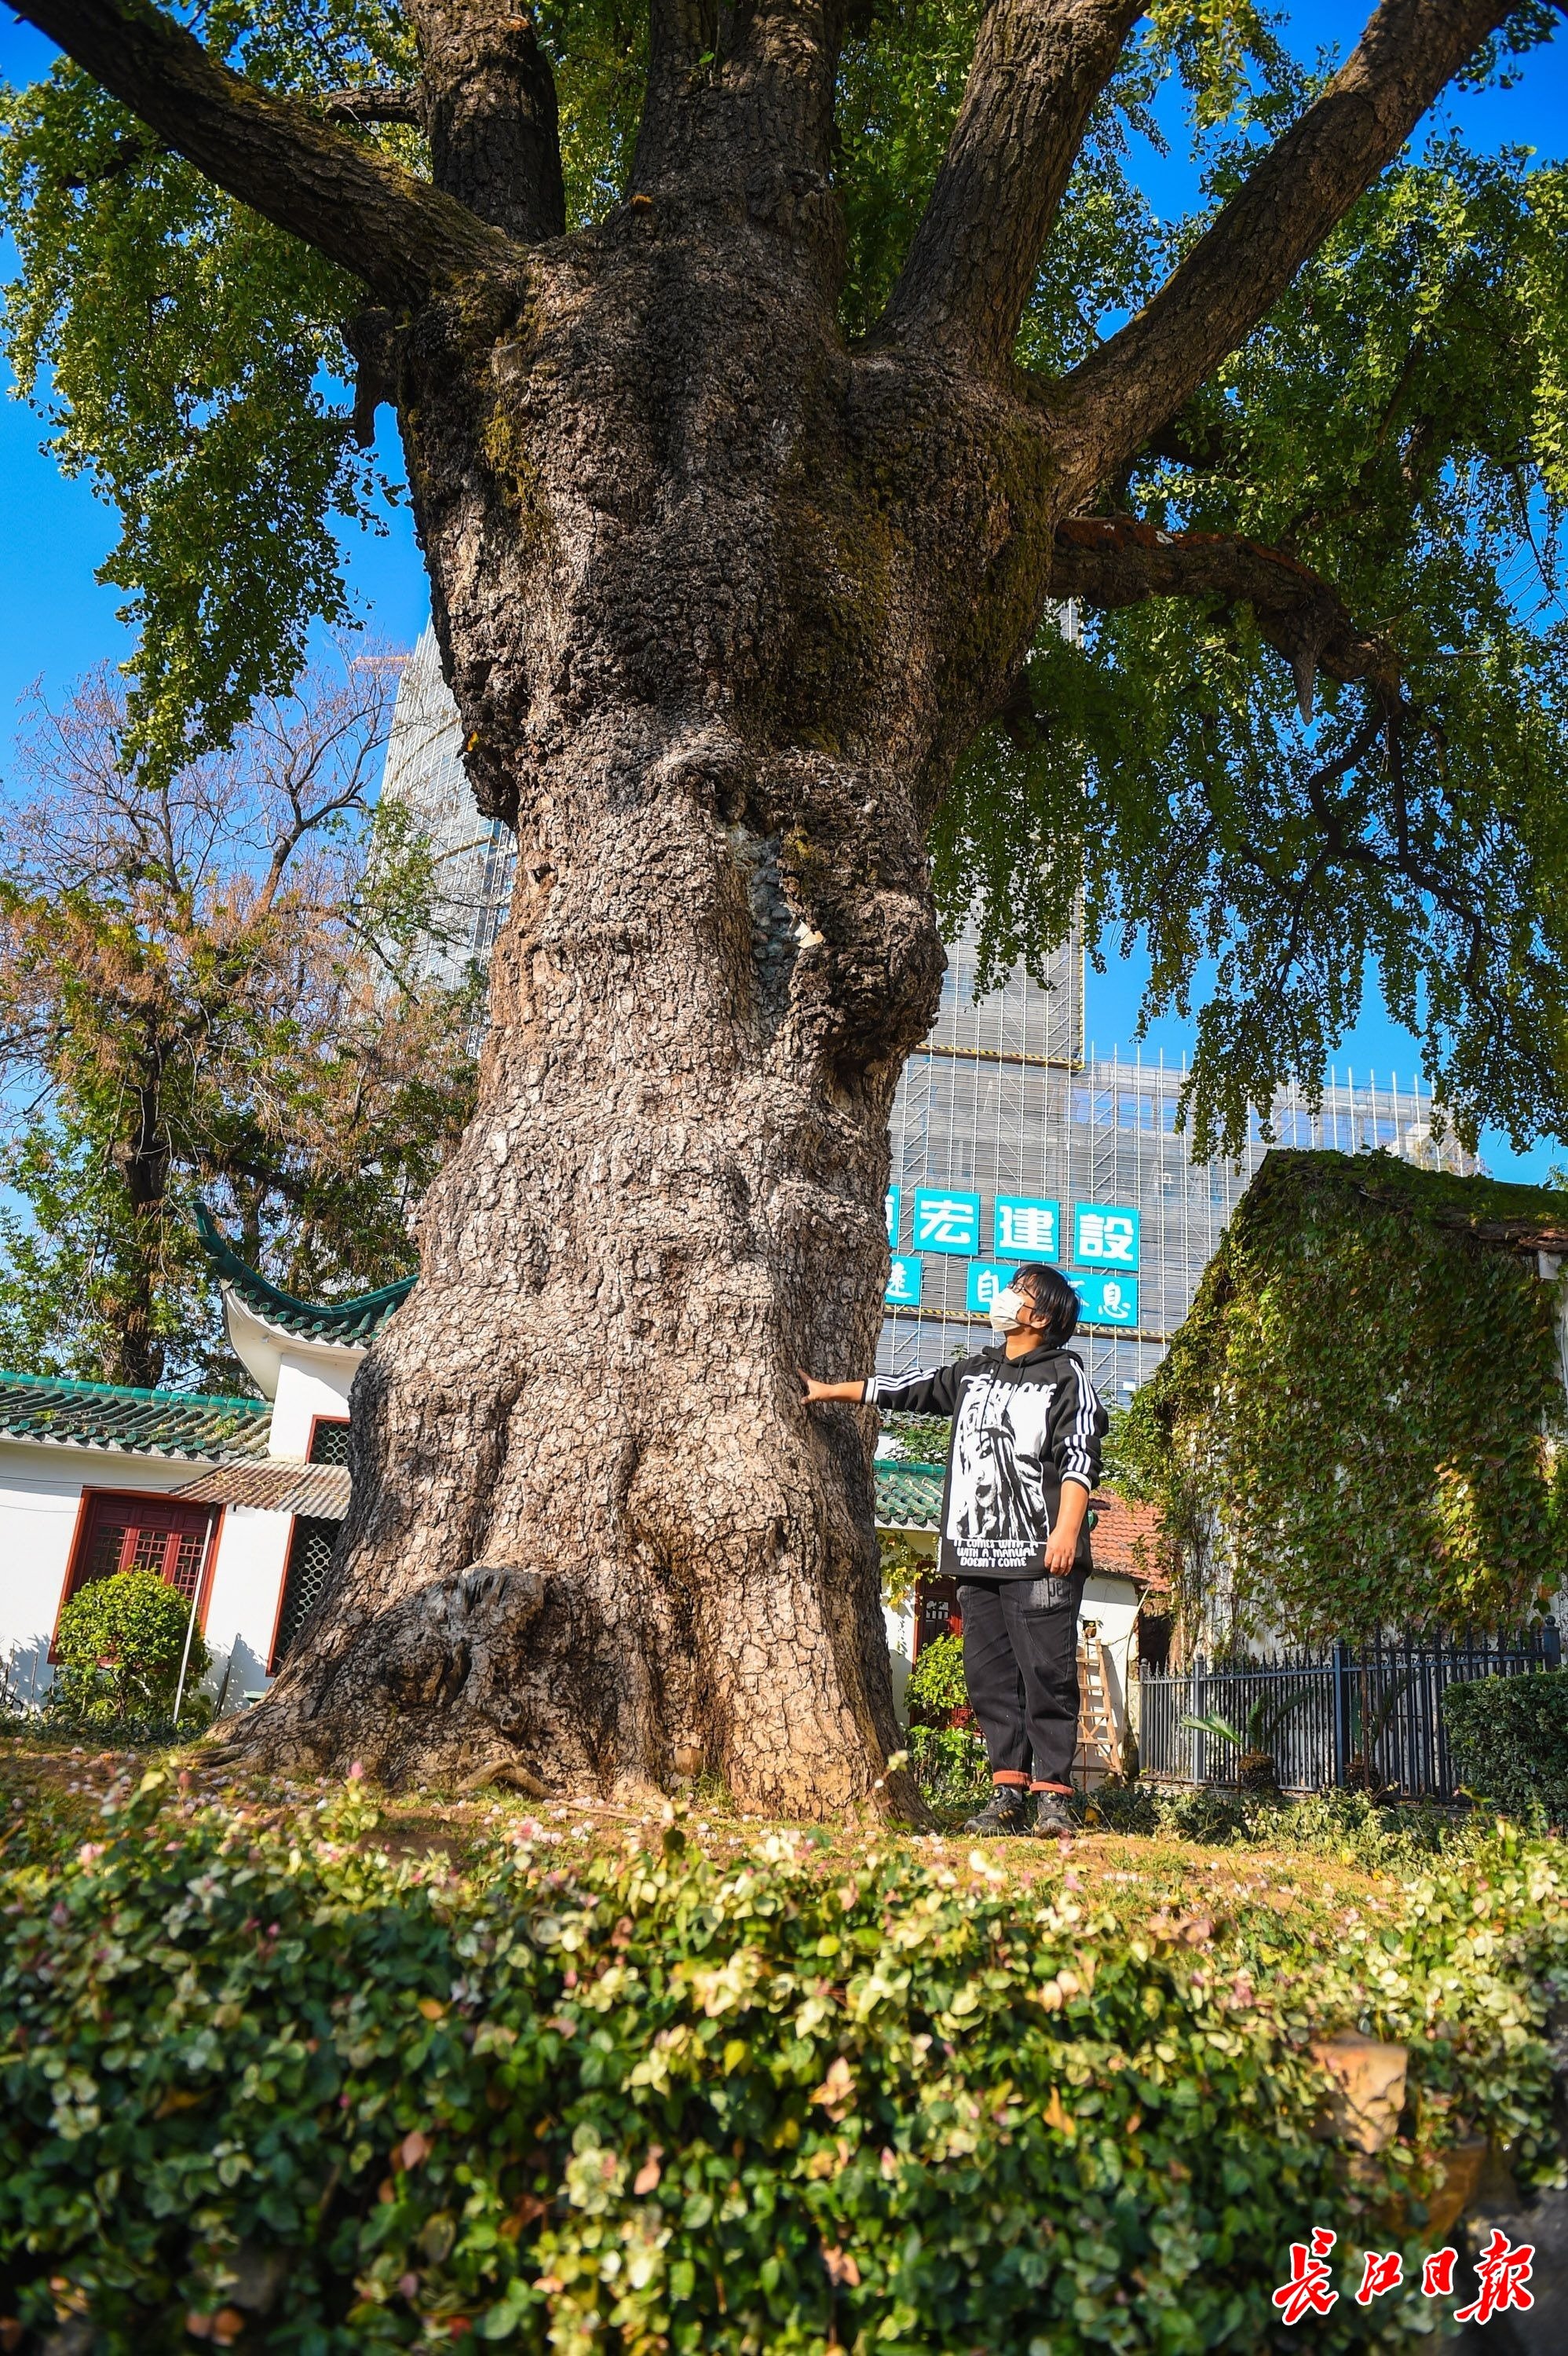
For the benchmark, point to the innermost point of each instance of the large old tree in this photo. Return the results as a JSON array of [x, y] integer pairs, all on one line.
[[762, 373]]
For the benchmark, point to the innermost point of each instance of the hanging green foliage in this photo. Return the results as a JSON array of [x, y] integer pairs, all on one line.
[[1358, 1426]]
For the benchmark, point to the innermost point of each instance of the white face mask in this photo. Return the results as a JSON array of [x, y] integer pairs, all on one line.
[[1007, 1310]]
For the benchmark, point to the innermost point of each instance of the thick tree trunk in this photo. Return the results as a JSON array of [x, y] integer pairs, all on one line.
[[706, 588]]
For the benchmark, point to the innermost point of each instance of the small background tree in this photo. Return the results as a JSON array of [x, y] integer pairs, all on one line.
[[214, 988], [120, 1644]]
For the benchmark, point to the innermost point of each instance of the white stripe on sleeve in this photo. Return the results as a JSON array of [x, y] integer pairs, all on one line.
[[1077, 1463], [883, 1387]]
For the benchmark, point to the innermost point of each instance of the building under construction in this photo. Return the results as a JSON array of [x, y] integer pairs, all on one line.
[[1012, 1139], [475, 857]]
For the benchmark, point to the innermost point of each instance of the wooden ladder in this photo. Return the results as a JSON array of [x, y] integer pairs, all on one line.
[[1099, 1743]]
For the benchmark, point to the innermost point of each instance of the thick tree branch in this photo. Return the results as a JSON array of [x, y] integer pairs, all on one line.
[[680, 34], [1284, 209], [403, 238], [1111, 562], [1039, 67], [738, 117], [384, 105], [490, 112]]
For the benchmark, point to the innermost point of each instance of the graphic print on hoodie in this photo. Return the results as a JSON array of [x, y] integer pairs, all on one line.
[[1020, 1427]]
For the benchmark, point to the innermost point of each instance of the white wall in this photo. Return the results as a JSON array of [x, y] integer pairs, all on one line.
[[242, 1605], [1113, 1604], [310, 1382], [40, 1498]]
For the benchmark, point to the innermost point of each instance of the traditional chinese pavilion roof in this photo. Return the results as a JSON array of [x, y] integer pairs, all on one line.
[[353, 1323], [909, 1494], [132, 1422]]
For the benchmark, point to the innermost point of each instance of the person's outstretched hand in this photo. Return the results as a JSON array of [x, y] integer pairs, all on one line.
[[811, 1388]]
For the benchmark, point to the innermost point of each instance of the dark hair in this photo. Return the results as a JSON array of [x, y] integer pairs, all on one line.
[[1047, 1289]]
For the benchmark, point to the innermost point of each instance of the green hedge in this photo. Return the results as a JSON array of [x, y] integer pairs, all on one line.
[[1509, 1737], [879, 2099], [120, 1644]]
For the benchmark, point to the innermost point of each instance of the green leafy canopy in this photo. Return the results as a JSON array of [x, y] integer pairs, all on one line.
[[1398, 425]]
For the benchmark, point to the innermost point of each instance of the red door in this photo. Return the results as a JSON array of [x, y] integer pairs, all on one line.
[[156, 1534]]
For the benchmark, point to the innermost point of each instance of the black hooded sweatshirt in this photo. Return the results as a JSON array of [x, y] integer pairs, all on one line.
[[1020, 1427]]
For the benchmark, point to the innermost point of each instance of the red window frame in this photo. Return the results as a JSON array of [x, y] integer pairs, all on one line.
[[322, 1423], [937, 1612], [144, 1529]]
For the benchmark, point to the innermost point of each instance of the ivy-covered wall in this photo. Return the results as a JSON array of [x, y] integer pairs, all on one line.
[[1357, 1427]]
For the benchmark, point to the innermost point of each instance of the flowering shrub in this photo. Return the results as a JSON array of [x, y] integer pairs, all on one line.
[[258, 2079], [119, 1645]]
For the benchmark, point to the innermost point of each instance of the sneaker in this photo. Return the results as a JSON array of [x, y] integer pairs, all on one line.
[[1051, 1821], [1006, 1812]]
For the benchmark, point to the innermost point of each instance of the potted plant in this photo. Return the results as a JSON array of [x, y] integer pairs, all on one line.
[[1256, 1767]]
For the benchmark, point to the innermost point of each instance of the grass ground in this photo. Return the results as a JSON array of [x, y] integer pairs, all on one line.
[[1277, 1892]]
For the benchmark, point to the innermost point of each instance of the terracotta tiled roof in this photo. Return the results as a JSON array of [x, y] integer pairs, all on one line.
[[1126, 1540], [139, 1423], [352, 1321]]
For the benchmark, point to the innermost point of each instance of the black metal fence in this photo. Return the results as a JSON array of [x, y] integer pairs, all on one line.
[[1368, 1719]]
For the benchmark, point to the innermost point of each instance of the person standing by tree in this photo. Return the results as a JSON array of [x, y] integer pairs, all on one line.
[[1028, 1426]]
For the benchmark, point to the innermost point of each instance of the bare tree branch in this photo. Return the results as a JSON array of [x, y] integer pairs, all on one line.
[[1112, 561], [1284, 210], [1039, 66], [401, 237]]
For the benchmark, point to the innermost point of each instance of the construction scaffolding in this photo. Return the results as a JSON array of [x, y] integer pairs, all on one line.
[[1003, 1101]]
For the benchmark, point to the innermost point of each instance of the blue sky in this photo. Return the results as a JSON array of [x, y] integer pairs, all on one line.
[[56, 622]]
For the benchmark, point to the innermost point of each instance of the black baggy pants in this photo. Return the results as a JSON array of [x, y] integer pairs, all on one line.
[[1020, 1668]]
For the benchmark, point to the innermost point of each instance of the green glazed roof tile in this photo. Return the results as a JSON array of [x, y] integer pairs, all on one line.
[[141, 1423], [354, 1323], [909, 1495]]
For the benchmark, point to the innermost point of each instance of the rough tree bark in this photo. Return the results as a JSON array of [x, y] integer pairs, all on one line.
[[721, 602]]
